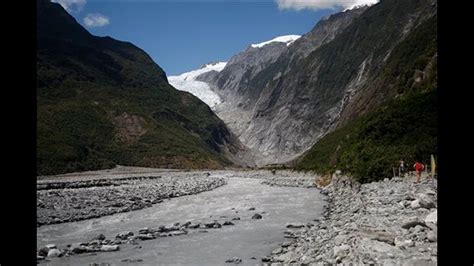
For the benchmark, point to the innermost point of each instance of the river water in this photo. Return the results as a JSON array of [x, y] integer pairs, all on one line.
[[246, 239]]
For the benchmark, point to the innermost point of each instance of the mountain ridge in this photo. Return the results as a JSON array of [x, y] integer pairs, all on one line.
[[102, 102], [291, 97]]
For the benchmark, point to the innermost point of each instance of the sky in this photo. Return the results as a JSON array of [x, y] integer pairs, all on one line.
[[183, 35]]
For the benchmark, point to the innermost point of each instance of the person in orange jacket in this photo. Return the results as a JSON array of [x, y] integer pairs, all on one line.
[[419, 167]]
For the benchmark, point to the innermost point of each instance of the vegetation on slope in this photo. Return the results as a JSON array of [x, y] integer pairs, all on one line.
[[370, 146], [102, 102], [404, 127]]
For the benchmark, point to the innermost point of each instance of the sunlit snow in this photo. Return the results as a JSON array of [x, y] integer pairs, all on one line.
[[187, 82], [288, 39]]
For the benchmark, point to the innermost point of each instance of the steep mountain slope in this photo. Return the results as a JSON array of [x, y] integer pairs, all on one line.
[[403, 127], [241, 83], [280, 105], [102, 102]]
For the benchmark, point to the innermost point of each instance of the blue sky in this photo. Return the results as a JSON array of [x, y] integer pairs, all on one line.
[[182, 36]]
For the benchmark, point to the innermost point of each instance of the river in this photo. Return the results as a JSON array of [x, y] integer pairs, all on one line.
[[246, 239]]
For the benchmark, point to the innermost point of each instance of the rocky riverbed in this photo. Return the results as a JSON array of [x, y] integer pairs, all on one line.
[[391, 222], [60, 201], [284, 178], [268, 217], [238, 223]]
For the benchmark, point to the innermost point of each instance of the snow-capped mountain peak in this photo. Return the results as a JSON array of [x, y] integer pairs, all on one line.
[[288, 39]]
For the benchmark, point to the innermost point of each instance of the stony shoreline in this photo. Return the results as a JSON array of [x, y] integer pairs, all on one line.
[[284, 178], [101, 243], [92, 193], [391, 222], [60, 202]]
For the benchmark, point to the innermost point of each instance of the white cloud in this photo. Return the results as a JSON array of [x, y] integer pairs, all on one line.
[[96, 20], [71, 5], [322, 4]]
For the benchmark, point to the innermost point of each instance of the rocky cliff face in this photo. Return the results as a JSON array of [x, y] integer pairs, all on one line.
[[243, 86], [279, 100]]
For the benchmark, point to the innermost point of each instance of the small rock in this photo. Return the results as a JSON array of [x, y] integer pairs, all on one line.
[[341, 251], [43, 251], [427, 203], [54, 252], [385, 237], [432, 217], [234, 260], [124, 235], [94, 242], [418, 229], [277, 251], [186, 224], [194, 226], [145, 230], [252, 209], [235, 218], [404, 243], [108, 248], [99, 237], [431, 236], [115, 242], [178, 233], [132, 260], [50, 246], [415, 204], [294, 225], [412, 222], [78, 248], [257, 216], [228, 223], [210, 224], [145, 236]]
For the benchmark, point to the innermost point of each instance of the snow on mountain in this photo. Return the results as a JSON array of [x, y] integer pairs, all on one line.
[[288, 39], [187, 82]]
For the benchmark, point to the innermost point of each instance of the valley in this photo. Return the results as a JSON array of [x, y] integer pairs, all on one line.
[[286, 152]]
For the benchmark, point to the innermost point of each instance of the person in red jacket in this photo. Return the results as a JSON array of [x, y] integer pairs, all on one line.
[[419, 167]]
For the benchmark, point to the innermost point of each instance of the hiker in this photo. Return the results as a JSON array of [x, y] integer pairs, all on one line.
[[419, 167], [401, 168]]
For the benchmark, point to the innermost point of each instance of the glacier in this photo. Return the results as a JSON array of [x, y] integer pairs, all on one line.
[[187, 82]]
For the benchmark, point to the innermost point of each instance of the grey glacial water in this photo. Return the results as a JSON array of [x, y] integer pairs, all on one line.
[[246, 239]]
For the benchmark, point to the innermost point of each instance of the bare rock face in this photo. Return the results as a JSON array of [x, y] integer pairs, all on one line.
[[280, 100], [247, 87]]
